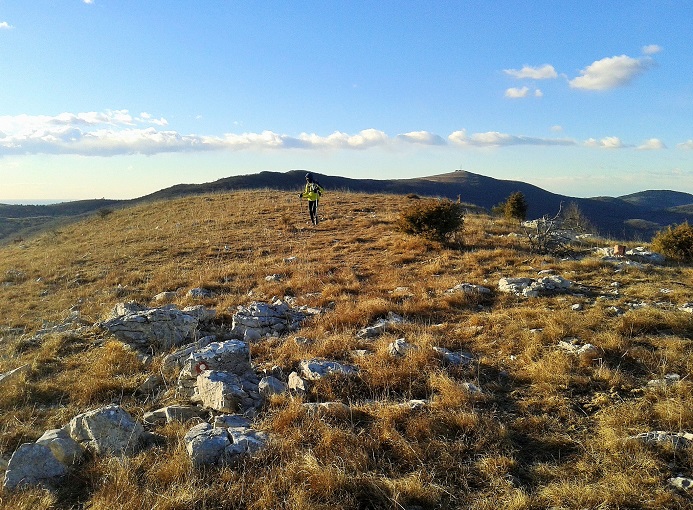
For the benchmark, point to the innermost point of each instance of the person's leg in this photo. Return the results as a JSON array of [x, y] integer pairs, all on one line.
[[312, 211]]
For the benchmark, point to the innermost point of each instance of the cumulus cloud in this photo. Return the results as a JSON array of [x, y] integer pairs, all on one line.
[[496, 139], [688, 144], [609, 142], [515, 93], [652, 144], [538, 93], [544, 72], [4, 25], [611, 72], [422, 137], [651, 49]]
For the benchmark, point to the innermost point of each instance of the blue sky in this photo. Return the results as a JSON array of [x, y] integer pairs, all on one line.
[[120, 98]]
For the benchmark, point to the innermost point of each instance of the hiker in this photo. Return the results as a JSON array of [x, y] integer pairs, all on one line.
[[312, 193]]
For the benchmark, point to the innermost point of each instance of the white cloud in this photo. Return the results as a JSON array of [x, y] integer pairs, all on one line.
[[422, 137], [651, 49], [496, 139], [88, 1], [609, 142], [652, 144], [515, 93], [538, 93], [544, 72], [148, 118], [611, 72], [4, 25], [556, 128], [688, 144]]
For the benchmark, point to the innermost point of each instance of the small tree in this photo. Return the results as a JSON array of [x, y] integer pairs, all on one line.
[[573, 219], [675, 243], [437, 220], [516, 207]]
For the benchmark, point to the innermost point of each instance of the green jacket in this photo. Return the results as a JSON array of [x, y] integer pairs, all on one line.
[[313, 191]]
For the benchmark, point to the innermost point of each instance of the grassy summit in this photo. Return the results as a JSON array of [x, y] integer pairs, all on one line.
[[549, 429]]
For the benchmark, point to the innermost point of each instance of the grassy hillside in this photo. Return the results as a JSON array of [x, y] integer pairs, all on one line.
[[549, 429]]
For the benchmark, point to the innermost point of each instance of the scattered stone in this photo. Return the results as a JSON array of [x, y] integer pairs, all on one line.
[[688, 307], [165, 297], [170, 414], [667, 381], [414, 404], [302, 341], [573, 346], [273, 278], [8, 377], [677, 439], [108, 430], [64, 448], [297, 384], [33, 464], [231, 421], [380, 326], [577, 307], [545, 286], [402, 292], [400, 347], [200, 293], [288, 260], [454, 358], [314, 369], [469, 288], [681, 482], [640, 254], [200, 312], [270, 385], [150, 384], [471, 388]]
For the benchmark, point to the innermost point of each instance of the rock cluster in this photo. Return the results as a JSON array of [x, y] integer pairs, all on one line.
[[530, 287], [106, 431], [259, 320], [380, 326], [224, 442], [158, 328], [219, 376]]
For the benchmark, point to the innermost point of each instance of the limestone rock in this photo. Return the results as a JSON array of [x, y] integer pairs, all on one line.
[[380, 326], [665, 382], [170, 414], [160, 328], [263, 319], [33, 464], [454, 358], [297, 384], [573, 346], [209, 445], [64, 448], [677, 439], [222, 391], [109, 430], [270, 385], [315, 369], [176, 359], [682, 483], [164, 297], [8, 377], [400, 347], [200, 293], [469, 288], [687, 307], [206, 445], [544, 286], [640, 254]]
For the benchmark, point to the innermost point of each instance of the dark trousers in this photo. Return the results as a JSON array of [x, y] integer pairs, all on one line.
[[313, 210]]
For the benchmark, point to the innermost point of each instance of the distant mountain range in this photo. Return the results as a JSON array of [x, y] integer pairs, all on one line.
[[636, 216]]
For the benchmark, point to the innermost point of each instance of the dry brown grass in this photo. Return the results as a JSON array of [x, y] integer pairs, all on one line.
[[548, 429]]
